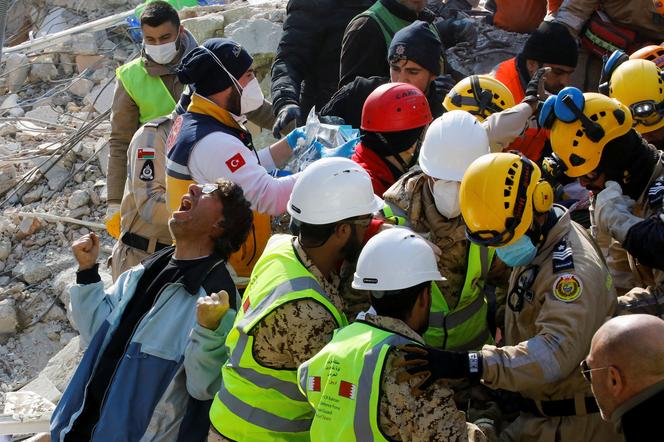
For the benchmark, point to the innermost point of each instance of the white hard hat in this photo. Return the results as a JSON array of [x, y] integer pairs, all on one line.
[[395, 259], [331, 190], [452, 142]]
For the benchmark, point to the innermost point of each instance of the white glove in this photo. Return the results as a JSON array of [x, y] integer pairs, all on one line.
[[612, 212], [111, 210]]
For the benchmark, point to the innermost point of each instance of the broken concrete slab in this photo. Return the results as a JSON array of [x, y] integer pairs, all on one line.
[[31, 271], [84, 62], [205, 27], [44, 113], [27, 227], [8, 316], [257, 36], [17, 67], [101, 97], [84, 43], [78, 199], [43, 68], [7, 177], [81, 87]]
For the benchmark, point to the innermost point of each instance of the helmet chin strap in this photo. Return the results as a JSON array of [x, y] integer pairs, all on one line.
[[396, 154]]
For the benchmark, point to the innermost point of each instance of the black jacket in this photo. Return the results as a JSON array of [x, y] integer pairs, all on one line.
[[347, 103], [306, 66], [642, 422], [364, 52]]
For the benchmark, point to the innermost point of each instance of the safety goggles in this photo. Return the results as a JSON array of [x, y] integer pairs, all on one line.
[[648, 112], [587, 371], [362, 222], [494, 238]]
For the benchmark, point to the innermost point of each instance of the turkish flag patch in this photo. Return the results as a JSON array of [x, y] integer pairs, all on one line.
[[235, 162], [347, 390], [313, 383]]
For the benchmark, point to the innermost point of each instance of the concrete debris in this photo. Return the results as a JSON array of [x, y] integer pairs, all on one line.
[[81, 87], [5, 248], [84, 44], [10, 105], [44, 113], [27, 405], [43, 68], [17, 67], [101, 97], [8, 317], [7, 177], [257, 36], [205, 27], [28, 227], [78, 198], [31, 271]]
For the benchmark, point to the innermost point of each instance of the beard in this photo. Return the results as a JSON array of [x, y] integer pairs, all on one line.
[[351, 250], [234, 105]]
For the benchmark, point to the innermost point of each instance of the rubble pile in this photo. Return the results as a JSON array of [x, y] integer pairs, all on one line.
[[55, 101]]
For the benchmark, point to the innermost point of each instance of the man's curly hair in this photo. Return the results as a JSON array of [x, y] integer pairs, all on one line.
[[238, 218]]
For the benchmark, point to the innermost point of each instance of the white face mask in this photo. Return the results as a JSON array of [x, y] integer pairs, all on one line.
[[446, 197], [251, 97], [162, 54]]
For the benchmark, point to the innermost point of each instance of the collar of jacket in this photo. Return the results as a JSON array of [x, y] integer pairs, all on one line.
[[201, 105], [392, 325], [187, 43], [633, 413], [192, 280], [553, 231]]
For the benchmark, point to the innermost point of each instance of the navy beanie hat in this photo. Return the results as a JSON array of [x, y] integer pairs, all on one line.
[[418, 43], [552, 43], [200, 69]]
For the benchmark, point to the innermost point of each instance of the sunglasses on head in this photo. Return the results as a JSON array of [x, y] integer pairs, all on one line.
[[209, 188]]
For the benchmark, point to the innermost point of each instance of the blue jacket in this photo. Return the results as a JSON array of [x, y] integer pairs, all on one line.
[[163, 386]]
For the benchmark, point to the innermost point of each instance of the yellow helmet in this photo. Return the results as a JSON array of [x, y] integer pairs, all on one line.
[[639, 85], [579, 144], [498, 196], [480, 95]]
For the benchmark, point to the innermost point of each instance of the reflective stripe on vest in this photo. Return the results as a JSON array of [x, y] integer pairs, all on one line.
[[150, 94], [508, 74], [344, 393], [464, 327], [257, 402]]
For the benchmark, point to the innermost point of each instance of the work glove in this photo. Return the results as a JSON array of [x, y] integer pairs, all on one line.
[[210, 310], [612, 212], [430, 365], [535, 91], [295, 135], [453, 31], [288, 113]]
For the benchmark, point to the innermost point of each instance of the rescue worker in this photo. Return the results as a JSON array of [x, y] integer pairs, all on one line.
[[305, 72], [393, 120], [605, 25], [144, 215], [209, 141], [414, 58], [626, 176], [368, 36], [550, 46], [292, 306], [143, 375], [560, 294], [352, 382], [146, 88], [427, 200], [519, 16], [508, 126], [638, 85]]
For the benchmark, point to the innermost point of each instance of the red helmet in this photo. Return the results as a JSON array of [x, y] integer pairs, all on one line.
[[652, 53], [395, 107]]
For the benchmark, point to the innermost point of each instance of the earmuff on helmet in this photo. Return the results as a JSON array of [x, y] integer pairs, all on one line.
[[611, 62], [542, 196]]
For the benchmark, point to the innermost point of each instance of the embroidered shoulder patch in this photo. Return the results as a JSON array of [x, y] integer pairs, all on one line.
[[562, 257], [147, 171], [656, 194], [567, 287]]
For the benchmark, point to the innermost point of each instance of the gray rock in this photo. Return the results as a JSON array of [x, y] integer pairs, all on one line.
[[9, 103], [205, 27], [43, 68], [44, 113], [81, 87], [79, 212], [7, 177], [17, 67], [8, 318], [257, 36], [31, 271], [33, 196], [101, 97], [5, 249], [78, 199], [84, 44]]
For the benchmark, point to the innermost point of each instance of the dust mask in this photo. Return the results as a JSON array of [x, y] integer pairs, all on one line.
[[162, 54], [446, 197], [251, 97]]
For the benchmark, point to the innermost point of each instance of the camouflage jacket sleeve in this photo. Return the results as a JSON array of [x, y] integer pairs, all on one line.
[[433, 416], [292, 334]]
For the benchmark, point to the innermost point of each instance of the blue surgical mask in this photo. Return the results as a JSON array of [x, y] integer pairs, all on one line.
[[519, 253]]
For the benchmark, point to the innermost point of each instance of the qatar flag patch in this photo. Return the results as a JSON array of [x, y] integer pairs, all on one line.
[[313, 383], [347, 390], [235, 162]]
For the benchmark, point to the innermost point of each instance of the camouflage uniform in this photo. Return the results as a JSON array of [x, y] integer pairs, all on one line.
[[296, 331], [412, 195], [143, 209], [432, 416], [556, 304], [644, 285]]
